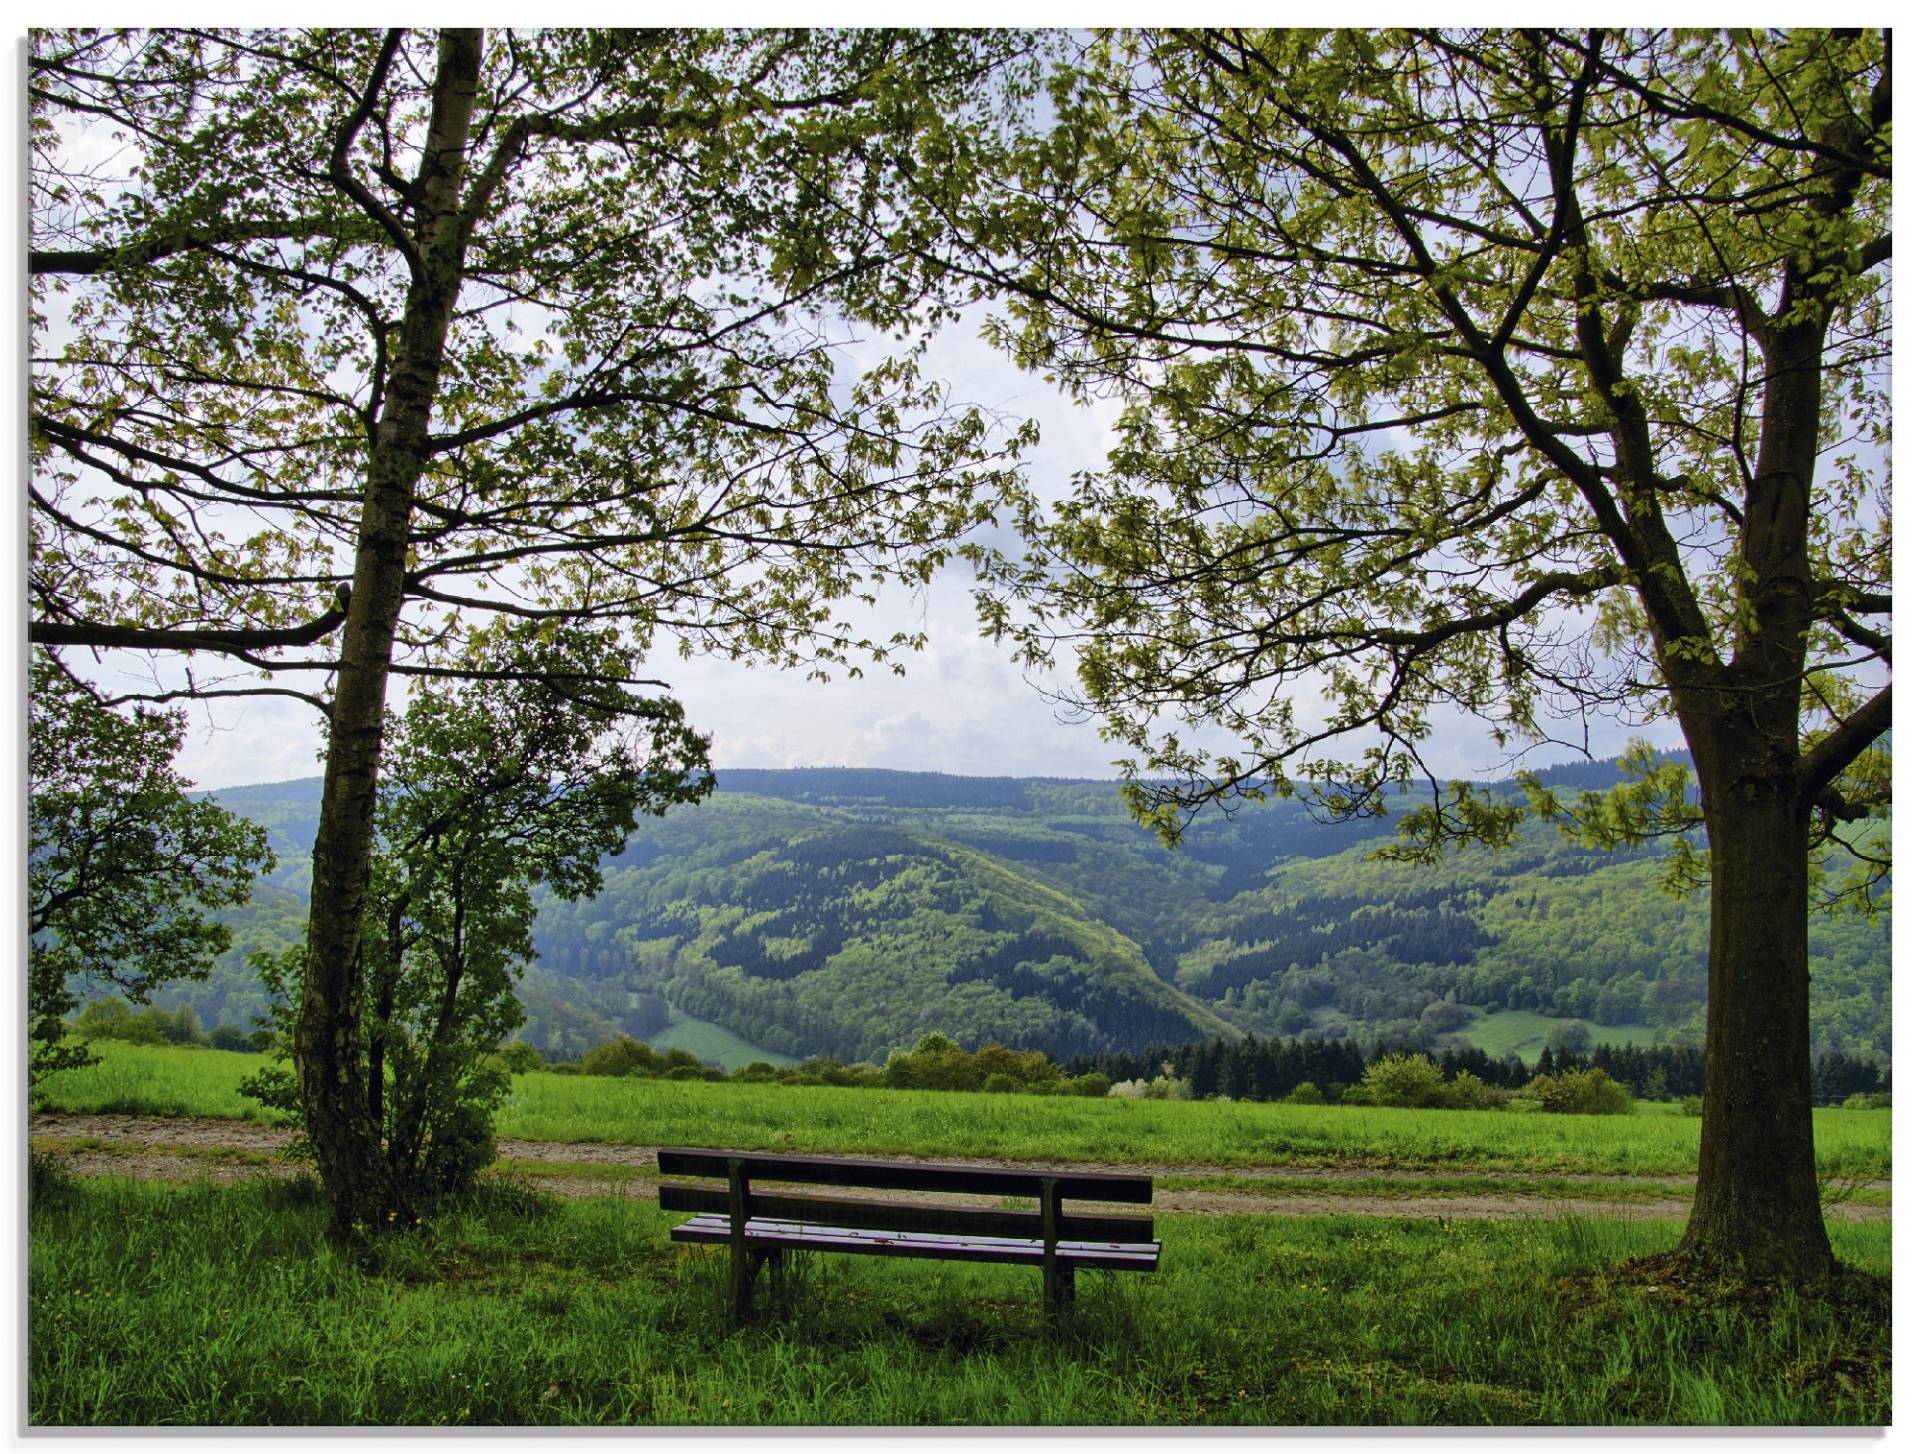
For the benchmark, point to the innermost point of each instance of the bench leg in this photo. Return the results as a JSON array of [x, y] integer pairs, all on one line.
[[1056, 1277], [742, 1266], [1058, 1287]]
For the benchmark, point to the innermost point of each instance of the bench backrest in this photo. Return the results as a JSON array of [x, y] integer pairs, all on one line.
[[1044, 1184]]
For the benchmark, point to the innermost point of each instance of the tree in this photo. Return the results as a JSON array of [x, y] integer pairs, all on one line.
[[360, 338], [490, 791], [1574, 1037], [122, 866], [1526, 377]]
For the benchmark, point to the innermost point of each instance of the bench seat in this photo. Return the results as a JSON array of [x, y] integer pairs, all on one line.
[[766, 1232]]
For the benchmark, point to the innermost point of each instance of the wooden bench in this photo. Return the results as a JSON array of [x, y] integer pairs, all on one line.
[[759, 1226]]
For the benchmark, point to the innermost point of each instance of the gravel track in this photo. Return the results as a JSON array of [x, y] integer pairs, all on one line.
[[162, 1148]]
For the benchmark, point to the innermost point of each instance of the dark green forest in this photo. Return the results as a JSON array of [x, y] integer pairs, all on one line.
[[847, 912]]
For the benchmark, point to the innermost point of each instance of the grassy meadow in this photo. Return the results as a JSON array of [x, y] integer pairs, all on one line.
[[168, 1304], [712, 1042], [153, 1304], [173, 1081], [1524, 1033]]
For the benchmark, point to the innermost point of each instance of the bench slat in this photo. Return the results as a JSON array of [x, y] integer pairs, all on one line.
[[770, 1233], [867, 1212], [1095, 1186]]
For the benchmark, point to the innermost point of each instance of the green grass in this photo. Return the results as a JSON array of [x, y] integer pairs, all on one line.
[[158, 1305], [159, 1080], [712, 1042], [1524, 1033], [635, 1111], [1035, 1128]]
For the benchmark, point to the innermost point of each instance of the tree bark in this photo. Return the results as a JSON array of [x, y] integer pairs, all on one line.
[[1756, 1210], [329, 1036]]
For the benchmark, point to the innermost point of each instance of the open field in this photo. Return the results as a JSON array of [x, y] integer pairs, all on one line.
[[170, 1081], [712, 1042], [1524, 1033], [152, 1304]]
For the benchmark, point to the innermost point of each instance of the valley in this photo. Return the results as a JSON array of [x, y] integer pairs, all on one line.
[[847, 912]]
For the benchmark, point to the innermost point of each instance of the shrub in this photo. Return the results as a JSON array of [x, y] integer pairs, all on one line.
[[1030, 1068], [1404, 1080], [462, 1145], [1687, 1106], [517, 1057], [112, 1019], [228, 1037], [1000, 1083], [1581, 1093], [1868, 1101], [1306, 1094], [622, 1055], [1093, 1083], [1468, 1092]]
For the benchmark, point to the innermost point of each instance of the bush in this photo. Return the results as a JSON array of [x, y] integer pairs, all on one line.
[[1093, 1083], [1404, 1080], [462, 1145], [228, 1037], [1868, 1101], [622, 1055], [517, 1057], [112, 1019], [1468, 1092], [1306, 1094], [1580, 1093], [1687, 1106], [1000, 1083]]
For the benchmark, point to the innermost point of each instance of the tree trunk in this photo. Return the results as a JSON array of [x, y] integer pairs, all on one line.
[[329, 1038], [1756, 1211]]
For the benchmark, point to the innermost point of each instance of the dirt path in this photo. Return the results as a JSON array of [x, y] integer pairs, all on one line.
[[168, 1149]]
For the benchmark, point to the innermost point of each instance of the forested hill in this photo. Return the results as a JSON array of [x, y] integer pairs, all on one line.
[[848, 911]]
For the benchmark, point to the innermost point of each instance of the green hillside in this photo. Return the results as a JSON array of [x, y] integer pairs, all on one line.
[[849, 911]]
